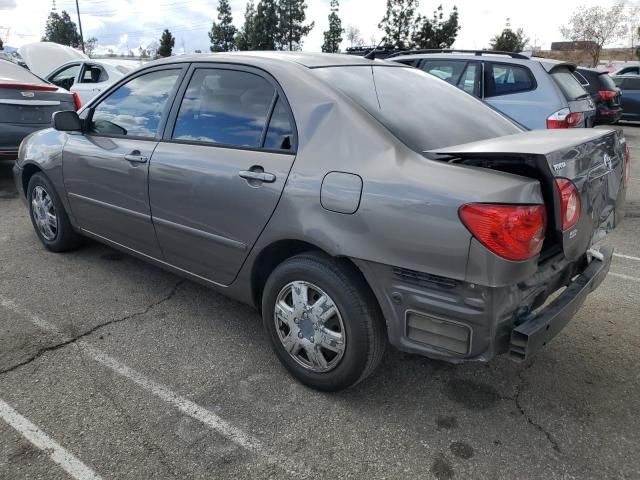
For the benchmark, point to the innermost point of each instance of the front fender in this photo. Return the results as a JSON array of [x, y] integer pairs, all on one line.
[[42, 151]]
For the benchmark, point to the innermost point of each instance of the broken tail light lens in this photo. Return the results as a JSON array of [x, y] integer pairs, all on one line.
[[514, 232], [564, 118], [569, 202]]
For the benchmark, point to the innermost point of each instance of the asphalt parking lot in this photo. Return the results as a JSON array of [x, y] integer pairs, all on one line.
[[123, 371]]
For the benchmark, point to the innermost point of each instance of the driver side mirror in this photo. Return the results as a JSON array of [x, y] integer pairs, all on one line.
[[66, 121]]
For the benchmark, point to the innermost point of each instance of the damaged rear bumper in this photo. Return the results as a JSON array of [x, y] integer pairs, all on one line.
[[534, 333], [458, 321]]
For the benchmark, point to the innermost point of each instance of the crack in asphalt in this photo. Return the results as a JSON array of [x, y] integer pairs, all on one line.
[[92, 330], [516, 399]]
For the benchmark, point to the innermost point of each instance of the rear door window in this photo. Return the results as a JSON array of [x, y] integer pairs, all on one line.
[[280, 131], [506, 79], [93, 74], [570, 87], [468, 81], [227, 107], [447, 70]]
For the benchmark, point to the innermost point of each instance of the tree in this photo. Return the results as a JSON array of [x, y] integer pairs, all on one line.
[[60, 29], [333, 36], [266, 27], [90, 46], [152, 48], [222, 33], [436, 32], [167, 42], [354, 37], [246, 37], [398, 22], [509, 41], [597, 25], [1, 44], [291, 24], [143, 52]]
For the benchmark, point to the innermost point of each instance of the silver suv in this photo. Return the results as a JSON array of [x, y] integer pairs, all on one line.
[[536, 92]]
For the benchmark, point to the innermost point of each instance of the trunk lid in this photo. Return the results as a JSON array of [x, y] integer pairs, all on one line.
[[594, 160], [25, 106]]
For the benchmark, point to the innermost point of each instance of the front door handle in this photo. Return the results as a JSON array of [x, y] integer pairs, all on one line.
[[135, 157], [258, 176]]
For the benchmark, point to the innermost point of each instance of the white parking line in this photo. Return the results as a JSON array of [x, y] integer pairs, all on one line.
[[186, 406], [41, 440], [624, 277], [628, 257]]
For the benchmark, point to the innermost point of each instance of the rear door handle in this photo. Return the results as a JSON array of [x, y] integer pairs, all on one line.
[[137, 158], [258, 176]]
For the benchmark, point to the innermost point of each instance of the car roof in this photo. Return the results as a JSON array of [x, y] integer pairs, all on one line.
[[306, 59], [548, 63]]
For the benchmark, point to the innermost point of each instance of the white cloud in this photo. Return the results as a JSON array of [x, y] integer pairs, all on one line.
[[127, 24]]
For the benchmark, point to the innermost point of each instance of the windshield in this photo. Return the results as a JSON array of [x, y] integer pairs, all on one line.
[[423, 111], [570, 87]]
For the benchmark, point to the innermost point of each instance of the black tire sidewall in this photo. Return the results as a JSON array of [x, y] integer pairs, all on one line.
[[354, 316]]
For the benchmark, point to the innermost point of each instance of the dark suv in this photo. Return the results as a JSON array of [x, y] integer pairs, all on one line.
[[604, 94]]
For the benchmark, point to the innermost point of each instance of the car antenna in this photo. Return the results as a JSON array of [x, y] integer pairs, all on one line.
[[371, 54]]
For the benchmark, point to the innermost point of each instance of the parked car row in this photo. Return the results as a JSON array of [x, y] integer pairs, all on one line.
[[54, 78], [354, 203]]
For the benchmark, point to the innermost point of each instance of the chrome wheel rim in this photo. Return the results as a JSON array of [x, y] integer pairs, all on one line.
[[310, 326], [44, 213]]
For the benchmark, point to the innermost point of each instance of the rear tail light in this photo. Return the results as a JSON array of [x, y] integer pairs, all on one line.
[[569, 202], [514, 232], [607, 95], [627, 166], [564, 118], [29, 87], [77, 101]]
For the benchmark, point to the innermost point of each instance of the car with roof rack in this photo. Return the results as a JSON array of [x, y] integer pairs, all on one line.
[[536, 92]]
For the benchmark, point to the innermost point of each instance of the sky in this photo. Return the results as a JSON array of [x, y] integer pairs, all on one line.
[[127, 24]]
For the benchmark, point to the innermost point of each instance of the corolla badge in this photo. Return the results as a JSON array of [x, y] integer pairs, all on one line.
[[606, 160], [559, 166], [27, 94]]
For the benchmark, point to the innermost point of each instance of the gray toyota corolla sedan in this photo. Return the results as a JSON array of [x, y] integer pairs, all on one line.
[[355, 203]]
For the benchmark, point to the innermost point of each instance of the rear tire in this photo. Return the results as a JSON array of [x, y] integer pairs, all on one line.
[[328, 330], [48, 216]]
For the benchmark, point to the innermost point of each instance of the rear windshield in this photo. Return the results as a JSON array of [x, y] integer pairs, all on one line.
[[606, 81], [423, 111], [570, 87], [11, 72]]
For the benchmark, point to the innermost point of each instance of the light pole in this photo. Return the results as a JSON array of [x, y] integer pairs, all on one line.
[[80, 26]]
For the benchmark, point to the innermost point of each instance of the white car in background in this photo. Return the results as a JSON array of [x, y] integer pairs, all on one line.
[[89, 77], [72, 70]]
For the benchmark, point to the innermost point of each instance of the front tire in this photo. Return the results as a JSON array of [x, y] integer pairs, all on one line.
[[323, 321], [48, 216]]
